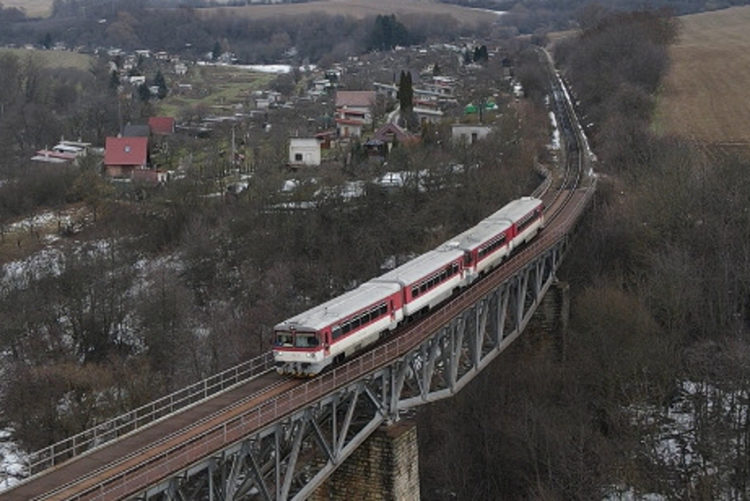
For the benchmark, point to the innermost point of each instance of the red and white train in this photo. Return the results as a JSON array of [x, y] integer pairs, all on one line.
[[328, 333]]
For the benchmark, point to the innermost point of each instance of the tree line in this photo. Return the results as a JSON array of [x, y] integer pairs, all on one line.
[[192, 32], [659, 278]]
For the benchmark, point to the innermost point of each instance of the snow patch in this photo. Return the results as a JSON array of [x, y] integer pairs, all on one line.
[[13, 461]]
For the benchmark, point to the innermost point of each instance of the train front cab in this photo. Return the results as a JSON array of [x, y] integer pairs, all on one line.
[[300, 353]]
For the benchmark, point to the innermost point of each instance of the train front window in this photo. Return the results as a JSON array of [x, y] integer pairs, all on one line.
[[303, 340], [284, 339]]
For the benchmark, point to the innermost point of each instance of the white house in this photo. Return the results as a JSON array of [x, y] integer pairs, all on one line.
[[304, 151], [469, 133]]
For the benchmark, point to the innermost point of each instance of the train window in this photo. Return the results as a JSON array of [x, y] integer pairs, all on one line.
[[284, 339], [467, 259], [336, 332], [423, 288], [355, 323], [305, 340], [346, 328], [364, 318], [383, 310]]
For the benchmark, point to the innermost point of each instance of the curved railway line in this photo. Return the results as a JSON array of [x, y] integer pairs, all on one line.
[[132, 462]]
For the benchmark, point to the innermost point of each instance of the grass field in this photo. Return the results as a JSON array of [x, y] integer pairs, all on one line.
[[31, 7], [54, 58], [359, 9], [705, 95], [215, 86]]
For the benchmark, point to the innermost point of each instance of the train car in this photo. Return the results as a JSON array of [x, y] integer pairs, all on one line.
[[484, 247], [427, 280], [307, 343], [527, 215], [310, 341]]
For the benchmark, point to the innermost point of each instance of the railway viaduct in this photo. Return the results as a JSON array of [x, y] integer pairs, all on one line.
[[248, 433]]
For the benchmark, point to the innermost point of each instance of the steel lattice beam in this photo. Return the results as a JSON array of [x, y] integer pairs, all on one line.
[[291, 458]]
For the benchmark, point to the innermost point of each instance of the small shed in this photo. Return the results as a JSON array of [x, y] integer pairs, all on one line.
[[304, 151], [469, 133]]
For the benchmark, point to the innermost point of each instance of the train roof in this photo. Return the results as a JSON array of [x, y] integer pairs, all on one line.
[[340, 307], [479, 234], [421, 266], [515, 210]]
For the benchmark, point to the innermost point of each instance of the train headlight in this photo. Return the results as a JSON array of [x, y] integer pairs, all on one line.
[[311, 355]]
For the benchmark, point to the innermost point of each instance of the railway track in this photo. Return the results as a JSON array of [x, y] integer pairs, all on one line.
[[134, 461]]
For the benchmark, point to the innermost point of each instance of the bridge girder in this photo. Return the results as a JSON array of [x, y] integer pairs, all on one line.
[[292, 457]]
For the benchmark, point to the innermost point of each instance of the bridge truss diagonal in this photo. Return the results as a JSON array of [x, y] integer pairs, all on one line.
[[293, 456]]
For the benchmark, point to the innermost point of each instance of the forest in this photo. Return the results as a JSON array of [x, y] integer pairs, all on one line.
[[660, 289], [89, 24]]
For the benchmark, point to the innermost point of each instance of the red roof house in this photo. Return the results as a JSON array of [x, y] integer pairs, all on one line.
[[355, 98], [161, 126], [122, 155], [355, 104]]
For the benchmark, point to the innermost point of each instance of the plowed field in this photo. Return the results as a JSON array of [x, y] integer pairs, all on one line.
[[706, 94]]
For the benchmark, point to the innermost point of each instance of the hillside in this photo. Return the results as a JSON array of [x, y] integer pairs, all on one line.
[[360, 9], [705, 93]]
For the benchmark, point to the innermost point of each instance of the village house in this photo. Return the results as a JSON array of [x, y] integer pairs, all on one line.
[[441, 85], [304, 151], [161, 126], [353, 111], [469, 134], [136, 130], [123, 155], [355, 105], [348, 128], [428, 114], [386, 137], [63, 152]]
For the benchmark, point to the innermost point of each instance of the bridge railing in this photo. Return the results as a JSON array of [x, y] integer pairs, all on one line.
[[158, 460], [146, 414]]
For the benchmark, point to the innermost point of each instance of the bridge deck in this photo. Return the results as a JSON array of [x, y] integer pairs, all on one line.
[[176, 426]]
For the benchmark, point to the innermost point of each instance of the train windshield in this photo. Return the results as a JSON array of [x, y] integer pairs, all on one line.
[[284, 338], [305, 340]]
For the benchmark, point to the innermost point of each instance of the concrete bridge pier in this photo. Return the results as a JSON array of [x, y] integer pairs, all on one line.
[[384, 468]]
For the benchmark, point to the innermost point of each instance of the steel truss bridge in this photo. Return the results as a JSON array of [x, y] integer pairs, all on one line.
[[249, 433]]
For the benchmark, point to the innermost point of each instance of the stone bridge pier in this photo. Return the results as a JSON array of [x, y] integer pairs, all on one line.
[[384, 468]]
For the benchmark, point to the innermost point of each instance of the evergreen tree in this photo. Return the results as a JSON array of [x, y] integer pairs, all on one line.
[[162, 84], [387, 32], [405, 91], [216, 52], [436, 70], [144, 93], [483, 54], [114, 80]]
